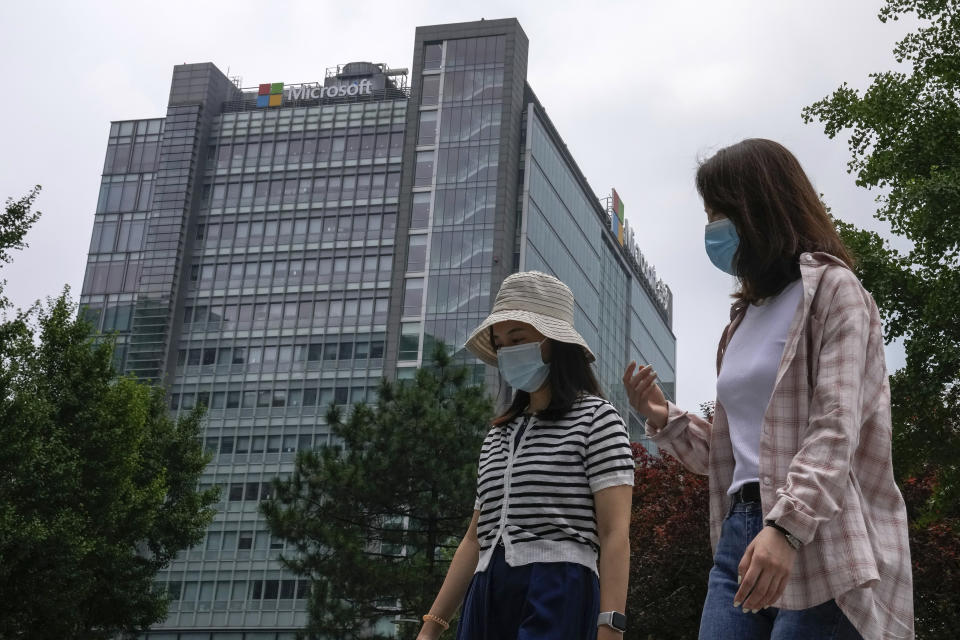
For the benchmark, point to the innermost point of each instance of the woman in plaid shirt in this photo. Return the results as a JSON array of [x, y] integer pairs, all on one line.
[[808, 526]]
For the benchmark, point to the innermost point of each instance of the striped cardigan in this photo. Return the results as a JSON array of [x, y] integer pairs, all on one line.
[[536, 496]]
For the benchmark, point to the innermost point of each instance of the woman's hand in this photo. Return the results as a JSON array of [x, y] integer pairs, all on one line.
[[644, 394], [764, 570]]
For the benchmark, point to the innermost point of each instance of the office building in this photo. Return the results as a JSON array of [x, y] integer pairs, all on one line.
[[268, 251]]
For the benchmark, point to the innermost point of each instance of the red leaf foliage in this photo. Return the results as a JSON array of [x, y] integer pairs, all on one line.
[[669, 549], [935, 555]]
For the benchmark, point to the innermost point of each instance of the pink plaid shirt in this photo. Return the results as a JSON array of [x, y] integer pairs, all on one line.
[[826, 474]]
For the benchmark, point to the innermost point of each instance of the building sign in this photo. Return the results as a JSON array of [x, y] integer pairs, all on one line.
[[618, 219], [272, 94], [627, 238]]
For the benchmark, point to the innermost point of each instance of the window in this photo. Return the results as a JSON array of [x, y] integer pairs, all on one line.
[[413, 297], [421, 210], [417, 253], [409, 344], [430, 86], [432, 56], [274, 443], [245, 541], [427, 133], [271, 589], [423, 175]]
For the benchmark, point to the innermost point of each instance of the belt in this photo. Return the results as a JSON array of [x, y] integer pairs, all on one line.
[[749, 492]]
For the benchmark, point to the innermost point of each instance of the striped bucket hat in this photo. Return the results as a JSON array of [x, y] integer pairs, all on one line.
[[537, 299]]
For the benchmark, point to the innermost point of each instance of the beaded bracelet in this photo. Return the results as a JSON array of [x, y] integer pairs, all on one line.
[[429, 617]]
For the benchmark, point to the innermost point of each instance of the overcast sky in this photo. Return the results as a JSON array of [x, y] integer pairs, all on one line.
[[639, 91]]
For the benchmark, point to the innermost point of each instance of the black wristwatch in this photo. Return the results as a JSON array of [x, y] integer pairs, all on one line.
[[613, 619], [792, 540]]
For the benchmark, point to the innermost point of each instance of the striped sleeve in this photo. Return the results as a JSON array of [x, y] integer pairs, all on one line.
[[609, 459]]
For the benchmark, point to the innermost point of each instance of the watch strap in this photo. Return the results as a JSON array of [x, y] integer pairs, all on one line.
[[792, 540]]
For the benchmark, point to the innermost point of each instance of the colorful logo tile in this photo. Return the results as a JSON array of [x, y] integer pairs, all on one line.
[[270, 94]]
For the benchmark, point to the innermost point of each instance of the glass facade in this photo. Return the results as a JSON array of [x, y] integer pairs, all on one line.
[[267, 262], [116, 253], [566, 233], [284, 314], [449, 258]]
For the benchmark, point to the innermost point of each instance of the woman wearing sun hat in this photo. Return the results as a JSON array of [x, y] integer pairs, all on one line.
[[546, 555]]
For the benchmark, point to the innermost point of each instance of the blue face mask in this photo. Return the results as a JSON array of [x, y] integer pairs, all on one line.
[[523, 367], [722, 241]]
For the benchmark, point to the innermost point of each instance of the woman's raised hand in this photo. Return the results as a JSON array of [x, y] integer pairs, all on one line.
[[644, 394]]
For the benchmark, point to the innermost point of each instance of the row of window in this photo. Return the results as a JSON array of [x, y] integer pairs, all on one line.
[[125, 192], [321, 397], [318, 313], [223, 591], [462, 207], [305, 150], [118, 236], [464, 123], [302, 191], [328, 228], [132, 155], [116, 314], [117, 276], [315, 113], [352, 117], [473, 51], [281, 353], [473, 85], [309, 272], [245, 444], [467, 164], [219, 635], [457, 166], [242, 541], [458, 250], [458, 293], [139, 128]]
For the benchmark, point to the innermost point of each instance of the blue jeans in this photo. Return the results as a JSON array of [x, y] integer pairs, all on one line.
[[720, 620]]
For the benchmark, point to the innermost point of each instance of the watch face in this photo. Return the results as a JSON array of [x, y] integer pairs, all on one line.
[[619, 621]]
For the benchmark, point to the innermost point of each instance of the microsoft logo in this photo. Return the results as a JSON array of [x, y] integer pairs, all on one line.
[[270, 95]]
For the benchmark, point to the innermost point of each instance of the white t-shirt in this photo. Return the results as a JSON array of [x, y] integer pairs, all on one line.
[[748, 374]]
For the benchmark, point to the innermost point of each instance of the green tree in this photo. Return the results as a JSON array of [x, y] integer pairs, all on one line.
[[904, 138], [15, 220], [97, 484], [373, 523]]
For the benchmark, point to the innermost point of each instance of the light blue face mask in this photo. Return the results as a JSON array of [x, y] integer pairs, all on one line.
[[523, 367], [721, 241]]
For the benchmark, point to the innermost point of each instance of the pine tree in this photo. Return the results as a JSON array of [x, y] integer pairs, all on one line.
[[374, 522]]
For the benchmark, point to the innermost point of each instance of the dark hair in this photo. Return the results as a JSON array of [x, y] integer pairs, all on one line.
[[761, 187], [570, 376]]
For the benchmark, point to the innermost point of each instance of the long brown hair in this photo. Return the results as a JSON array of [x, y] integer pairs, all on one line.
[[761, 187], [570, 376]]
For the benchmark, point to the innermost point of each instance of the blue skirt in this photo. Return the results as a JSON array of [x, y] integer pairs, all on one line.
[[540, 601]]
